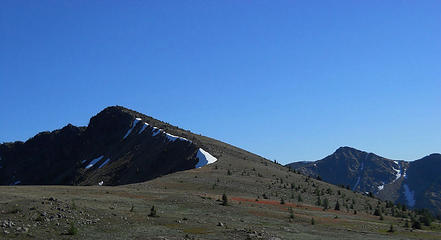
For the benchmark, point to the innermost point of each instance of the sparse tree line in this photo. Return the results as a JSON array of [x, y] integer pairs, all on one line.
[[328, 198]]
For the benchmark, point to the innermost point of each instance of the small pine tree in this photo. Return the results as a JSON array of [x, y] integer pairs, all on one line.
[[337, 206], [72, 230], [381, 217], [153, 212], [426, 219], [325, 204], [229, 172], [312, 221], [416, 224], [391, 229], [291, 213], [403, 208], [224, 200], [132, 208], [377, 212], [282, 201], [318, 202], [299, 198], [406, 224]]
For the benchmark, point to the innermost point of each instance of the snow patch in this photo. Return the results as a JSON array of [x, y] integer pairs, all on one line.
[[405, 173], [397, 171], [173, 138], [156, 131], [204, 158], [16, 182], [143, 128], [410, 195], [94, 161], [381, 187], [104, 163], [133, 126], [83, 161], [100, 183]]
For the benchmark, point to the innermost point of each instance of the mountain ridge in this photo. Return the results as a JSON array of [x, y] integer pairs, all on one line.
[[117, 136], [395, 180]]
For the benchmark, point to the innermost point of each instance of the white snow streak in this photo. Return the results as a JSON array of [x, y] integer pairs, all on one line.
[[204, 158], [104, 163], [133, 126], [410, 196], [100, 183], [173, 138], [16, 182], [397, 171], [356, 184], [143, 128], [94, 161], [156, 131]]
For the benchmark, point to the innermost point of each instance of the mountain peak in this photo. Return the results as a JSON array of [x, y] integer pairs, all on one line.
[[346, 149]]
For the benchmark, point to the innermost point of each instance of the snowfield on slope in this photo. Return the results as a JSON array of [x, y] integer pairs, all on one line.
[[204, 158]]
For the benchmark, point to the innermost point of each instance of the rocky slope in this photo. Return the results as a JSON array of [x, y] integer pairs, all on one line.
[[119, 146], [416, 184]]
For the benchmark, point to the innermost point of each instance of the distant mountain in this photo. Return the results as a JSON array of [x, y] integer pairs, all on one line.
[[119, 146], [416, 184]]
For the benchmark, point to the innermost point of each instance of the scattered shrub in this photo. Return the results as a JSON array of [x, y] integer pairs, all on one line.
[[153, 212], [224, 200], [391, 229], [72, 230]]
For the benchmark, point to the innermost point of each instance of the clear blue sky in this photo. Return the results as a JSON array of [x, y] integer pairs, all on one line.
[[288, 80]]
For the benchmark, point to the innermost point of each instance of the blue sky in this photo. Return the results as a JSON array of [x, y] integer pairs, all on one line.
[[288, 80]]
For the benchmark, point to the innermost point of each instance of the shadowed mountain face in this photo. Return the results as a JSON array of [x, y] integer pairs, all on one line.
[[416, 184], [119, 146]]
